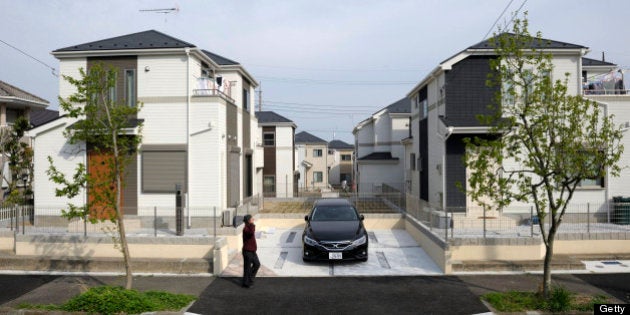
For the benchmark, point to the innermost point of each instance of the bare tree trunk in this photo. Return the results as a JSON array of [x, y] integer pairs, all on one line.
[[546, 284], [120, 219]]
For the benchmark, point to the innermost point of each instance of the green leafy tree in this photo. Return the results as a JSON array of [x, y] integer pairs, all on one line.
[[19, 155], [104, 126], [545, 140]]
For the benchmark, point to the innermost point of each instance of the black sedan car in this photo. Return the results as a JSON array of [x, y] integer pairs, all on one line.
[[334, 231]]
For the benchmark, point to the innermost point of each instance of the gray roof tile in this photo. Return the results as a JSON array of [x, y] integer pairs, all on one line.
[[271, 117], [305, 137], [220, 60], [151, 39], [340, 145], [595, 62], [40, 117], [9, 90]]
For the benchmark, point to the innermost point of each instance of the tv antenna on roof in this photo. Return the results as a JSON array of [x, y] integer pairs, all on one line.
[[164, 11]]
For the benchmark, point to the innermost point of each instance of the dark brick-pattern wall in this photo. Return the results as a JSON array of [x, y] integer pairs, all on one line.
[[466, 93], [455, 172]]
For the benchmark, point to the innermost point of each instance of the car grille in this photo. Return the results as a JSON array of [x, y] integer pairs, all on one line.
[[335, 246]]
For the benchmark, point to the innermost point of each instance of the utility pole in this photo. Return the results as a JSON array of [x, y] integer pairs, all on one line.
[[260, 97]]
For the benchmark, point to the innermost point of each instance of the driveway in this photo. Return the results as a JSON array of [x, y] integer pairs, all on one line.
[[391, 253]]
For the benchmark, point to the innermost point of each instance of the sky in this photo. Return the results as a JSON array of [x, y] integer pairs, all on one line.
[[326, 65]]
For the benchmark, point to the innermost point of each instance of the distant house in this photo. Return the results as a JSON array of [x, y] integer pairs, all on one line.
[[198, 129], [379, 150], [340, 162], [278, 174], [14, 103], [312, 161]]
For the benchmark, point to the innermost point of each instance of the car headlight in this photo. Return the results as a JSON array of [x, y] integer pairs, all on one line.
[[360, 241], [310, 241]]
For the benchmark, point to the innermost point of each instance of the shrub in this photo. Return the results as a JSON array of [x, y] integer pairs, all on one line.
[[559, 300], [115, 300]]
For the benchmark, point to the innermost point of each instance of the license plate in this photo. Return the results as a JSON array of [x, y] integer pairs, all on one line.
[[335, 256]]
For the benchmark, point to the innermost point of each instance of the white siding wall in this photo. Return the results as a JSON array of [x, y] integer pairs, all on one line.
[[164, 123], [284, 160], [568, 64], [436, 145], [166, 76], [69, 67], [65, 158], [382, 133]]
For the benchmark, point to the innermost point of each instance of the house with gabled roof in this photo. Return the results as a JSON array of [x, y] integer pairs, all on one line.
[[277, 134], [311, 161], [444, 109], [15, 103], [198, 129], [340, 163], [379, 151]]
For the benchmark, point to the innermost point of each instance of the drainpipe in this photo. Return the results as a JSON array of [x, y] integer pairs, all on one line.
[[187, 199], [446, 136]]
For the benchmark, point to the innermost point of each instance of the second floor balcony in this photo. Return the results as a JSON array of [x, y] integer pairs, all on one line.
[[209, 87]]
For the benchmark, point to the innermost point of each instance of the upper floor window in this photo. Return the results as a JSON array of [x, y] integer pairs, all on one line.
[[412, 161], [425, 108], [246, 99], [130, 87], [317, 152], [269, 139], [346, 157]]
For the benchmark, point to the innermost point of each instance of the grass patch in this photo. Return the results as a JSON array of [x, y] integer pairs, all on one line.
[[117, 300], [561, 300]]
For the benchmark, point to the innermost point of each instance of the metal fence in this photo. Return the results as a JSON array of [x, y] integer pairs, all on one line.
[[153, 221]]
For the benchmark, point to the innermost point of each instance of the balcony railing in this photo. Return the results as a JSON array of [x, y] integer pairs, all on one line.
[[212, 92], [605, 92]]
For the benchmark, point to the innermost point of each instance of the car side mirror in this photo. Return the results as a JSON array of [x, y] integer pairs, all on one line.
[[306, 218], [362, 217]]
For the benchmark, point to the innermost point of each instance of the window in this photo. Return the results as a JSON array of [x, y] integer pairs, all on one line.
[[425, 108], [112, 90], [318, 177], [317, 153], [246, 99], [161, 170], [269, 139], [346, 157], [592, 183], [269, 184], [331, 152], [412, 161], [130, 87]]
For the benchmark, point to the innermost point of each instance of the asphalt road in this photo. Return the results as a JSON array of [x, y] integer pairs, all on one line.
[[340, 295], [14, 286]]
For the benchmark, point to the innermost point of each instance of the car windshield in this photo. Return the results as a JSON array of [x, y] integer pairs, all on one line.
[[334, 213]]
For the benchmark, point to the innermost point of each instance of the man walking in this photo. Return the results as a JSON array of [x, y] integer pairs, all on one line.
[[250, 258]]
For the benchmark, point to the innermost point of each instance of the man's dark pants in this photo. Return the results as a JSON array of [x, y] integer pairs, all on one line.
[[250, 266]]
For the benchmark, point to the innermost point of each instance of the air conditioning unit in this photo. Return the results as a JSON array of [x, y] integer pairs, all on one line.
[[227, 217]]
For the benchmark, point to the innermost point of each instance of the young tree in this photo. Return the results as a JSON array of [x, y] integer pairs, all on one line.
[[551, 139], [103, 125], [19, 156]]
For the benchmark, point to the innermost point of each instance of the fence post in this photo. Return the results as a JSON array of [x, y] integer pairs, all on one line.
[[531, 221], [23, 227], [84, 225], [155, 221], [452, 223], [484, 221], [11, 216], [215, 224], [588, 217]]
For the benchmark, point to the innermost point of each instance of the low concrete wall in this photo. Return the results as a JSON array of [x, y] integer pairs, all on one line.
[[89, 247], [386, 221], [436, 248], [509, 249], [6, 240], [220, 259], [592, 247]]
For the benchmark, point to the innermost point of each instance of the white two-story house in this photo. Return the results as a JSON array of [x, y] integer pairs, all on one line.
[[379, 151], [198, 129], [444, 109], [278, 143], [311, 159]]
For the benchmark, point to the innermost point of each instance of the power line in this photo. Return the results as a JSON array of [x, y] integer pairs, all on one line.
[[311, 104], [497, 20], [384, 69], [30, 56], [334, 82]]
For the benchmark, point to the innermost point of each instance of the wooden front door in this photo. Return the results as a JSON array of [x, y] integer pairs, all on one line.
[[102, 188]]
